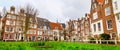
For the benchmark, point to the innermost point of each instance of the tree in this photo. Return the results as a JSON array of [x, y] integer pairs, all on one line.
[[30, 12], [3, 12], [65, 34]]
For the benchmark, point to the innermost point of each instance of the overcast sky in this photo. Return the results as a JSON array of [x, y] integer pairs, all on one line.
[[53, 10]]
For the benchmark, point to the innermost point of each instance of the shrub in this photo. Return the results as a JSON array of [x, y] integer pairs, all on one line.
[[91, 38], [105, 36]]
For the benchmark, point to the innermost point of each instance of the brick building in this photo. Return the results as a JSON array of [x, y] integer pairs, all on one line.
[[44, 29], [57, 30], [14, 26], [84, 27], [102, 18]]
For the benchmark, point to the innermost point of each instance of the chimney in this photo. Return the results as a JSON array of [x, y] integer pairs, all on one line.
[[22, 11], [12, 9]]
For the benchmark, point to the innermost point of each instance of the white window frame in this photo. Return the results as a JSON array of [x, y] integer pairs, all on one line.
[[115, 5], [107, 25], [7, 22], [107, 11], [98, 26], [95, 15], [94, 28], [118, 16], [106, 1], [9, 29]]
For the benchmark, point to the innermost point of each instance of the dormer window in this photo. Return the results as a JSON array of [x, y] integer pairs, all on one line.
[[56, 27]]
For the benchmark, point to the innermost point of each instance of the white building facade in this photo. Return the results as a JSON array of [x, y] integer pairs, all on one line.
[[116, 8]]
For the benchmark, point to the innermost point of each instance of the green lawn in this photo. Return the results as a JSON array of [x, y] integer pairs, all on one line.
[[55, 45]]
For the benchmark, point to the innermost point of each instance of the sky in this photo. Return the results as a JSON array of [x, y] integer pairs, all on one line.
[[53, 10]]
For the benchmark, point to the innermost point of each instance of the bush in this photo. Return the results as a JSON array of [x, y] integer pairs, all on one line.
[[91, 38], [105, 36]]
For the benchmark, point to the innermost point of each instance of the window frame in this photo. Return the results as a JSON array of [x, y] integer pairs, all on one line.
[[95, 15], [108, 26], [94, 27], [107, 11], [99, 26]]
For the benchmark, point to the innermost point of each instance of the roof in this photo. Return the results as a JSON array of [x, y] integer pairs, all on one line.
[[56, 25], [43, 22], [100, 1]]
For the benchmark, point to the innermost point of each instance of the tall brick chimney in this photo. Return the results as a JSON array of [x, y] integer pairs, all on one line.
[[22, 11], [12, 9]]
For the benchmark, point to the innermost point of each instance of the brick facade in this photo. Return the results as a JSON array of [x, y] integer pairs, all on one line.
[[105, 15]]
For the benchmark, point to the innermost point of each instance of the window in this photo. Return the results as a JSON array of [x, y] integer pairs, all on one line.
[[9, 29], [118, 16], [107, 11], [116, 6], [7, 22], [30, 32], [106, 1], [13, 17], [95, 15], [109, 24], [94, 27], [34, 31], [45, 27], [56, 27], [94, 6], [12, 22], [35, 26], [99, 27], [19, 29], [8, 16], [40, 33]]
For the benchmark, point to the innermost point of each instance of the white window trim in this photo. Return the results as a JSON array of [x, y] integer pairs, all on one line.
[[107, 1], [95, 15], [107, 26], [106, 14]]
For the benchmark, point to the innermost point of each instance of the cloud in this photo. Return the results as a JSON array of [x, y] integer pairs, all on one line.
[[61, 10]]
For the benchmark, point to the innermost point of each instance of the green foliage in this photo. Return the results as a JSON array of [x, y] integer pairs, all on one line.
[[91, 38], [105, 36]]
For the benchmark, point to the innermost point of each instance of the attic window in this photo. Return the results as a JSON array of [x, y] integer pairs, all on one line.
[[56, 27]]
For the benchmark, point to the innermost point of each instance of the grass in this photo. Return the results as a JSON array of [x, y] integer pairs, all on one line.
[[55, 45]]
